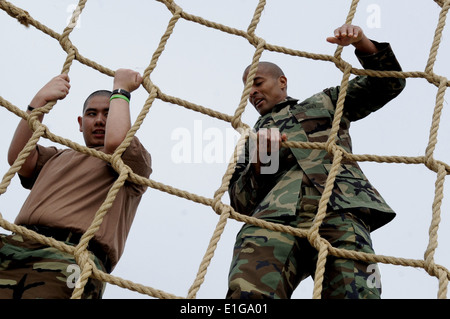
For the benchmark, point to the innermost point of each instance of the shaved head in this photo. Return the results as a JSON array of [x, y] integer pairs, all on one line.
[[267, 68], [93, 94]]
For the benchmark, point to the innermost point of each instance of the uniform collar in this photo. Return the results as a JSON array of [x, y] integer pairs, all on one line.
[[287, 101], [273, 113]]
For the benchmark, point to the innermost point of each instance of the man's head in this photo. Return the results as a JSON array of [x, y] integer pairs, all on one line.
[[269, 87], [93, 122]]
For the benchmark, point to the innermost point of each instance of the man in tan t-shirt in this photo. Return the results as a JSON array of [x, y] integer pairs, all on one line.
[[67, 189]]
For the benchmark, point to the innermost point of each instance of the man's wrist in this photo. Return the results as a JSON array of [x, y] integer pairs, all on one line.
[[121, 92], [31, 108], [366, 46]]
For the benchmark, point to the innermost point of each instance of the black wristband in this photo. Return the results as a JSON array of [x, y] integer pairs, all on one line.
[[122, 92], [30, 108]]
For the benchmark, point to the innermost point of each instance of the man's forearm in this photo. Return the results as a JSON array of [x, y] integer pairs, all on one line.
[[56, 89], [21, 137], [119, 121], [117, 125]]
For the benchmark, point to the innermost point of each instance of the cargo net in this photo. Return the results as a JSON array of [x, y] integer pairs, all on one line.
[[224, 211]]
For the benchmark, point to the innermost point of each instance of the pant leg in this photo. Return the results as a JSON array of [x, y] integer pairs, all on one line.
[[30, 270], [347, 278], [270, 264], [265, 264]]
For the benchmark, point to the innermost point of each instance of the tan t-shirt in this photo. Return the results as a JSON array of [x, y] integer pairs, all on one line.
[[68, 187]]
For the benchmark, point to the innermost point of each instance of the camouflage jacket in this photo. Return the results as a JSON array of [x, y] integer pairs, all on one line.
[[280, 193]]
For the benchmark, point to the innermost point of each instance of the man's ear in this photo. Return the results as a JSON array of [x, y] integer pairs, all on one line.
[[80, 122], [282, 80]]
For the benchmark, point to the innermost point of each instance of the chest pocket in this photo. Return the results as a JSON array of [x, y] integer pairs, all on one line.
[[316, 122]]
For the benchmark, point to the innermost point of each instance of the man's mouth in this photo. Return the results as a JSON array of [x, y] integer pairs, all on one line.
[[257, 102], [99, 132]]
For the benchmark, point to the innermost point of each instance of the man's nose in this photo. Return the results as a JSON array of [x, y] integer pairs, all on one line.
[[100, 119], [253, 91]]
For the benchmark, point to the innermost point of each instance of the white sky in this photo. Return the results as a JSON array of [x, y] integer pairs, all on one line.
[[170, 235]]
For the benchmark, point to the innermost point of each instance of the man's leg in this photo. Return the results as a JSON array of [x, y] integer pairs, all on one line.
[[264, 265], [348, 278], [30, 270]]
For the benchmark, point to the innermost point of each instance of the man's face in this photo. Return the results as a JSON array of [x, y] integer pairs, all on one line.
[[93, 121], [267, 90]]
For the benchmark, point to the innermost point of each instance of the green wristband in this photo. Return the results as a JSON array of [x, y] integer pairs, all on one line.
[[119, 96]]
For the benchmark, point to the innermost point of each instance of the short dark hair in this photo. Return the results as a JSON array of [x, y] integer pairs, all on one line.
[[96, 93]]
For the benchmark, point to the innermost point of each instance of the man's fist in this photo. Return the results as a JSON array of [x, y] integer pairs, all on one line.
[[56, 89], [127, 79]]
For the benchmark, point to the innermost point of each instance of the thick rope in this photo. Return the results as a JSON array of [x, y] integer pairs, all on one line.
[[225, 212]]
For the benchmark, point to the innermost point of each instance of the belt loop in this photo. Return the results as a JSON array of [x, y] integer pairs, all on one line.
[[69, 235]]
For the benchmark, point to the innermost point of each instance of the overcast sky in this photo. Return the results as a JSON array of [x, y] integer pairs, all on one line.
[[202, 65]]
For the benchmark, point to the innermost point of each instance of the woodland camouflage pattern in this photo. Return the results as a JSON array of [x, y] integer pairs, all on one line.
[[279, 261], [39, 270], [296, 187]]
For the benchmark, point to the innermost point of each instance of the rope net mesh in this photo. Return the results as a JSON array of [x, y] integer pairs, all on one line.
[[225, 212]]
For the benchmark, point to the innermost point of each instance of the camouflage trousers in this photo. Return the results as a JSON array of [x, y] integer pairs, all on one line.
[[31, 270], [271, 264]]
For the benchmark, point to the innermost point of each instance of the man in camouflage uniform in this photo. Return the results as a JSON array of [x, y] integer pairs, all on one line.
[[270, 264]]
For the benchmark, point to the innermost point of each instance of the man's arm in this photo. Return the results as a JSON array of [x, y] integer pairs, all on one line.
[[244, 186], [118, 122], [366, 94], [56, 89], [250, 182]]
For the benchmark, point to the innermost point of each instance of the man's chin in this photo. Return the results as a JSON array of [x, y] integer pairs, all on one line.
[[96, 143], [263, 110]]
